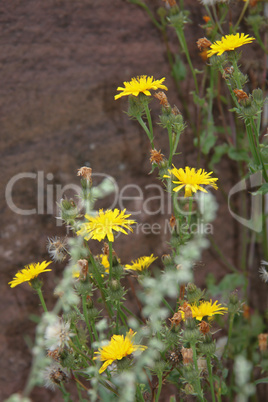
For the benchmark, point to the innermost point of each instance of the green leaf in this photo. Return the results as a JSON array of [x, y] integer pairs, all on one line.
[[261, 381], [262, 190], [238, 155], [219, 151], [178, 69]]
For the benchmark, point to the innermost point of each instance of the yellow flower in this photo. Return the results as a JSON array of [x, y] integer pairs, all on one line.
[[117, 348], [29, 272], [229, 42], [103, 225], [140, 84], [192, 180], [206, 309], [142, 263]]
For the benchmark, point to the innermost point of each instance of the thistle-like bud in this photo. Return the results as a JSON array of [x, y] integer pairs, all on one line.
[[257, 95], [194, 294], [234, 305], [68, 211], [207, 346]]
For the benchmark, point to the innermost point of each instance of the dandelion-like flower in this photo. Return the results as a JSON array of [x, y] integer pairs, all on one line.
[[229, 42], [140, 84], [29, 272], [117, 348], [102, 226], [192, 180], [142, 263], [206, 309], [58, 334]]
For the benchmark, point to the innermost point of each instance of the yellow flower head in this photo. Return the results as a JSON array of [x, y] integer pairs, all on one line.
[[29, 272], [192, 180], [104, 224], [140, 84], [206, 309], [142, 263], [117, 348], [229, 42]]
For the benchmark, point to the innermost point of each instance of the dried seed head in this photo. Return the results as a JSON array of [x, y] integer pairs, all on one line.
[[57, 248], [85, 172], [187, 355], [203, 43], [156, 156], [105, 249], [54, 375], [262, 338], [204, 327], [241, 95], [174, 356], [162, 97]]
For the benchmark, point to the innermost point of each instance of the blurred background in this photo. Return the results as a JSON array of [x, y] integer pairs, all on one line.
[[61, 62]]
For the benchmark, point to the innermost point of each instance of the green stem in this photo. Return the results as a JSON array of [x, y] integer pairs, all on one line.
[[79, 351], [148, 11], [110, 259], [170, 145], [159, 387], [40, 294], [145, 128], [211, 379], [94, 330], [256, 137], [241, 15], [84, 304], [183, 43], [259, 40], [251, 141], [139, 394], [149, 119], [222, 256], [168, 305], [190, 211], [199, 389], [230, 330]]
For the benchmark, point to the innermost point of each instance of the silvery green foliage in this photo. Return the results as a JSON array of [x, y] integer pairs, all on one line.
[[17, 398], [243, 369]]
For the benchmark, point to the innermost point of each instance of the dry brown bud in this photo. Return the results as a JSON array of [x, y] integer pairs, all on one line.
[[162, 97], [172, 3], [175, 110], [54, 354], [187, 355], [187, 310], [176, 319], [262, 338], [85, 172], [172, 221], [227, 72], [83, 264], [156, 156], [204, 327], [240, 94], [203, 43]]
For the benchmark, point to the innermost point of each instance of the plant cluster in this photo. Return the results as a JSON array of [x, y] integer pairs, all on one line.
[[168, 338]]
